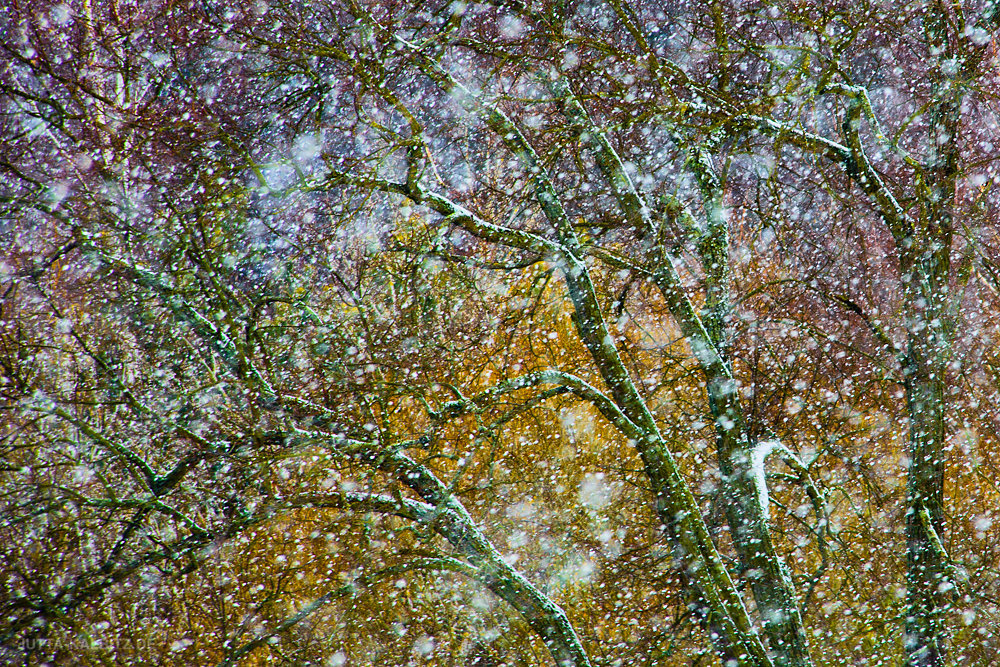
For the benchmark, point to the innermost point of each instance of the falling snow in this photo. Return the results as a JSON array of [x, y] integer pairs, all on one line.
[[395, 333]]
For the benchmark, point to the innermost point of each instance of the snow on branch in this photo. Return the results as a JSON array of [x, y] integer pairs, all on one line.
[[758, 456]]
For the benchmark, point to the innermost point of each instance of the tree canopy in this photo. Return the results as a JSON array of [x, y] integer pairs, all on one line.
[[358, 332]]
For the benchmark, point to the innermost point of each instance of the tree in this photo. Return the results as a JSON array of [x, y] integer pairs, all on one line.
[[339, 279]]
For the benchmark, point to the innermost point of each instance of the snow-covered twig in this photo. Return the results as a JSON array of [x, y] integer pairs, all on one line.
[[759, 454]]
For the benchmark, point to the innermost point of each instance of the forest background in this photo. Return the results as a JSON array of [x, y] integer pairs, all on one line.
[[376, 332]]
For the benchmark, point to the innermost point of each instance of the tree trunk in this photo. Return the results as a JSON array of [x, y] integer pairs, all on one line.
[[925, 268]]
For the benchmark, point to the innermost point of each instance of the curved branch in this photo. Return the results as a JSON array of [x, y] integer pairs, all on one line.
[[592, 395]]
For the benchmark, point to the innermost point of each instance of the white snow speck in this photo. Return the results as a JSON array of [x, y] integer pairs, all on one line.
[[594, 493]]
